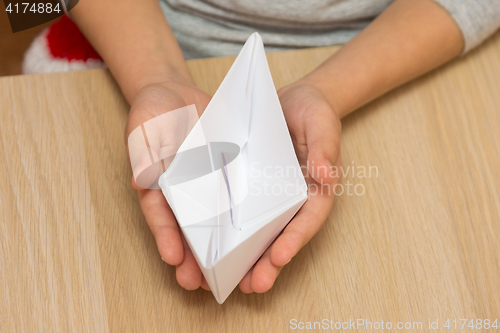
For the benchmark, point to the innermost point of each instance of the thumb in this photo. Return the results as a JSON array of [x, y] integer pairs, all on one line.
[[153, 144], [323, 144], [144, 159]]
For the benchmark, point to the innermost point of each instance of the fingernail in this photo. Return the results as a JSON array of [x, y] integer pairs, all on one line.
[[162, 259]]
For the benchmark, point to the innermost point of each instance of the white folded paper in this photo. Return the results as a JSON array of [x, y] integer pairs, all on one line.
[[235, 181]]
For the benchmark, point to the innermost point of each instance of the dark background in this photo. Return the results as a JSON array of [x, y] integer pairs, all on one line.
[[13, 45]]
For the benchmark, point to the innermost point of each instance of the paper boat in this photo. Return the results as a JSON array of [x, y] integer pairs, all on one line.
[[235, 181]]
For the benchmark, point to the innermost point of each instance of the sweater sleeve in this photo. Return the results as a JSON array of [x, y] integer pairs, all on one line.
[[477, 19]]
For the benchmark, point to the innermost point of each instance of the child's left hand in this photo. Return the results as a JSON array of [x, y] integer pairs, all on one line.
[[315, 130]]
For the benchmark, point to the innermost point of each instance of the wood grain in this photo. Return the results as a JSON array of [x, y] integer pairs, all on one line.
[[421, 243]]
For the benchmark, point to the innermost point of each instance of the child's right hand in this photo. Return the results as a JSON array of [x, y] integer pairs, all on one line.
[[149, 102]]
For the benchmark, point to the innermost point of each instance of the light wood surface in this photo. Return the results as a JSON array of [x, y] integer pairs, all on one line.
[[423, 242]]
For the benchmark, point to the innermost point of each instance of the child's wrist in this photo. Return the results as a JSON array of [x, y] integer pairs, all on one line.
[[327, 90], [133, 85]]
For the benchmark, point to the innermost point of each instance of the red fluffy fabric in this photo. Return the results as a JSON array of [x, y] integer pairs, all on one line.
[[66, 41], [60, 48]]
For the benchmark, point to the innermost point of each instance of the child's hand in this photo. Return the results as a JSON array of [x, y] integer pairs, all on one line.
[[150, 102], [315, 129]]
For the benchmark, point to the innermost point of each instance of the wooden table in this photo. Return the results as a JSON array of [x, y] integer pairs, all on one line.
[[421, 243]]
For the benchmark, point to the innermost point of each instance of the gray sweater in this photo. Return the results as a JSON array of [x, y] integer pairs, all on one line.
[[209, 28]]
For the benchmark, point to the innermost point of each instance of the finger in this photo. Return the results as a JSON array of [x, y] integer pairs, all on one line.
[[323, 144], [188, 272], [135, 186], [304, 225], [163, 225], [264, 273], [246, 282]]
